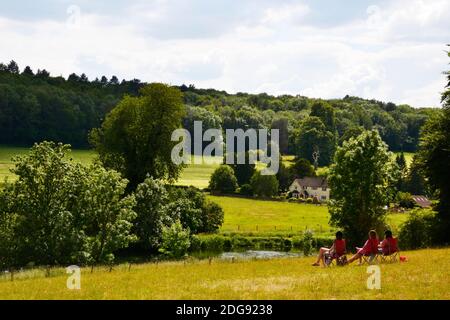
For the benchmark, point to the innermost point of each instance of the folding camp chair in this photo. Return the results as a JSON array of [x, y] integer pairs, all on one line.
[[392, 254], [331, 259], [369, 259]]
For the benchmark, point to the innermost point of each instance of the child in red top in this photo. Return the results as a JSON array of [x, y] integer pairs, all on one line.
[[338, 248], [369, 248], [389, 244]]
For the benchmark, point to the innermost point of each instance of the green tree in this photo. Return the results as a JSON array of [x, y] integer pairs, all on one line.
[[223, 180], [302, 168], [9, 257], [46, 201], [109, 213], [284, 175], [61, 212], [415, 181], [264, 185], [135, 138], [325, 112], [152, 212], [243, 172], [282, 124], [175, 240], [194, 211], [360, 178], [13, 67], [314, 136], [434, 154], [400, 160]]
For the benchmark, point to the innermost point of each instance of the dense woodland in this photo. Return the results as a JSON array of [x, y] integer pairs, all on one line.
[[35, 106]]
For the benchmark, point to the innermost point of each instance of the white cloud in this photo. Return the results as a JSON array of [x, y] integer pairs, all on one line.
[[393, 53], [289, 13]]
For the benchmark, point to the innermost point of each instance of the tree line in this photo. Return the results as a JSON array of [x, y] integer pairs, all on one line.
[[35, 106]]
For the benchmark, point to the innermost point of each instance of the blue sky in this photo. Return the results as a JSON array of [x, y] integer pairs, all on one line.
[[387, 50]]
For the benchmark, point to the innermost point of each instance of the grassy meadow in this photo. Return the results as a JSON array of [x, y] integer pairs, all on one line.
[[264, 216], [7, 153], [424, 276]]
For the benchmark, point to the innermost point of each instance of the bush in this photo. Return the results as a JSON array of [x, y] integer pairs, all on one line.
[[405, 200], [196, 244], [152, 212], [246, 190], [308, 242], [195, 212], [223, 180], [417, 232], [212, 216], [309, 200], [213, 243], [175, 241], [264, 185], [60, 212]]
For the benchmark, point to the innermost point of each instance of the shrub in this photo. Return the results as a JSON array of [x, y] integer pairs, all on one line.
[[307, 242], [246, 190], [213, 243], [405, 200], [418, 230], [309, 200], [175, 240], [196, 244], [212, 216], [195, 212], [264, 185], [223, 180]]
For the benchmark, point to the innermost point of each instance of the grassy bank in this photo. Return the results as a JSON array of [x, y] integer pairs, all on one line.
[[424, 276]]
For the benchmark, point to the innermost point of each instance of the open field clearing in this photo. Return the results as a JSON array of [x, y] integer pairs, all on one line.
[[7, 153], [424, 276], [264, 216]]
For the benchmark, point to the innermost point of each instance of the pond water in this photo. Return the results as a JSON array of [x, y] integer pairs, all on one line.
[[258, 254]]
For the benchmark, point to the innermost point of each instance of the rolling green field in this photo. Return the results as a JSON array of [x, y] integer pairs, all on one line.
[[6, 154], [241, 215], [261, 216], [424, 276]]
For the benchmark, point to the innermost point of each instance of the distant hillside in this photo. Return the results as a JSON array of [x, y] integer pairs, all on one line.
[[37, 106]]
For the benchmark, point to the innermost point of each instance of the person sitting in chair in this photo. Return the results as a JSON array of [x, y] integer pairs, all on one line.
[[337, 248], [389, 245], [369, 248]]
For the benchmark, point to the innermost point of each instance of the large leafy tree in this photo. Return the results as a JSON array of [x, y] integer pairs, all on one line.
[[264, 185], [302, 168], [244, 171], [223, 180], [325, 112], [60, 212], [135, 138], [152, 212], [313, 136], [360, 179], [435, 157]]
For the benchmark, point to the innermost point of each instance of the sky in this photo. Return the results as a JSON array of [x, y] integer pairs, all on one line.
[[386, 50]]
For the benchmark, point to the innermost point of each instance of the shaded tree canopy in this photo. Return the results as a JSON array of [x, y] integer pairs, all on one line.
[[37, 107], [360, 179], [135, 138]]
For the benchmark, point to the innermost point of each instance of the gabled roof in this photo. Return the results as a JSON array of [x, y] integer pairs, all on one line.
[[313, 182], [422, 201]]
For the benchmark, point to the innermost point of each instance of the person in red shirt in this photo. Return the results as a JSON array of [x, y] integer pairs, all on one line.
[[338, 249], [389, 244], [369, 248]]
